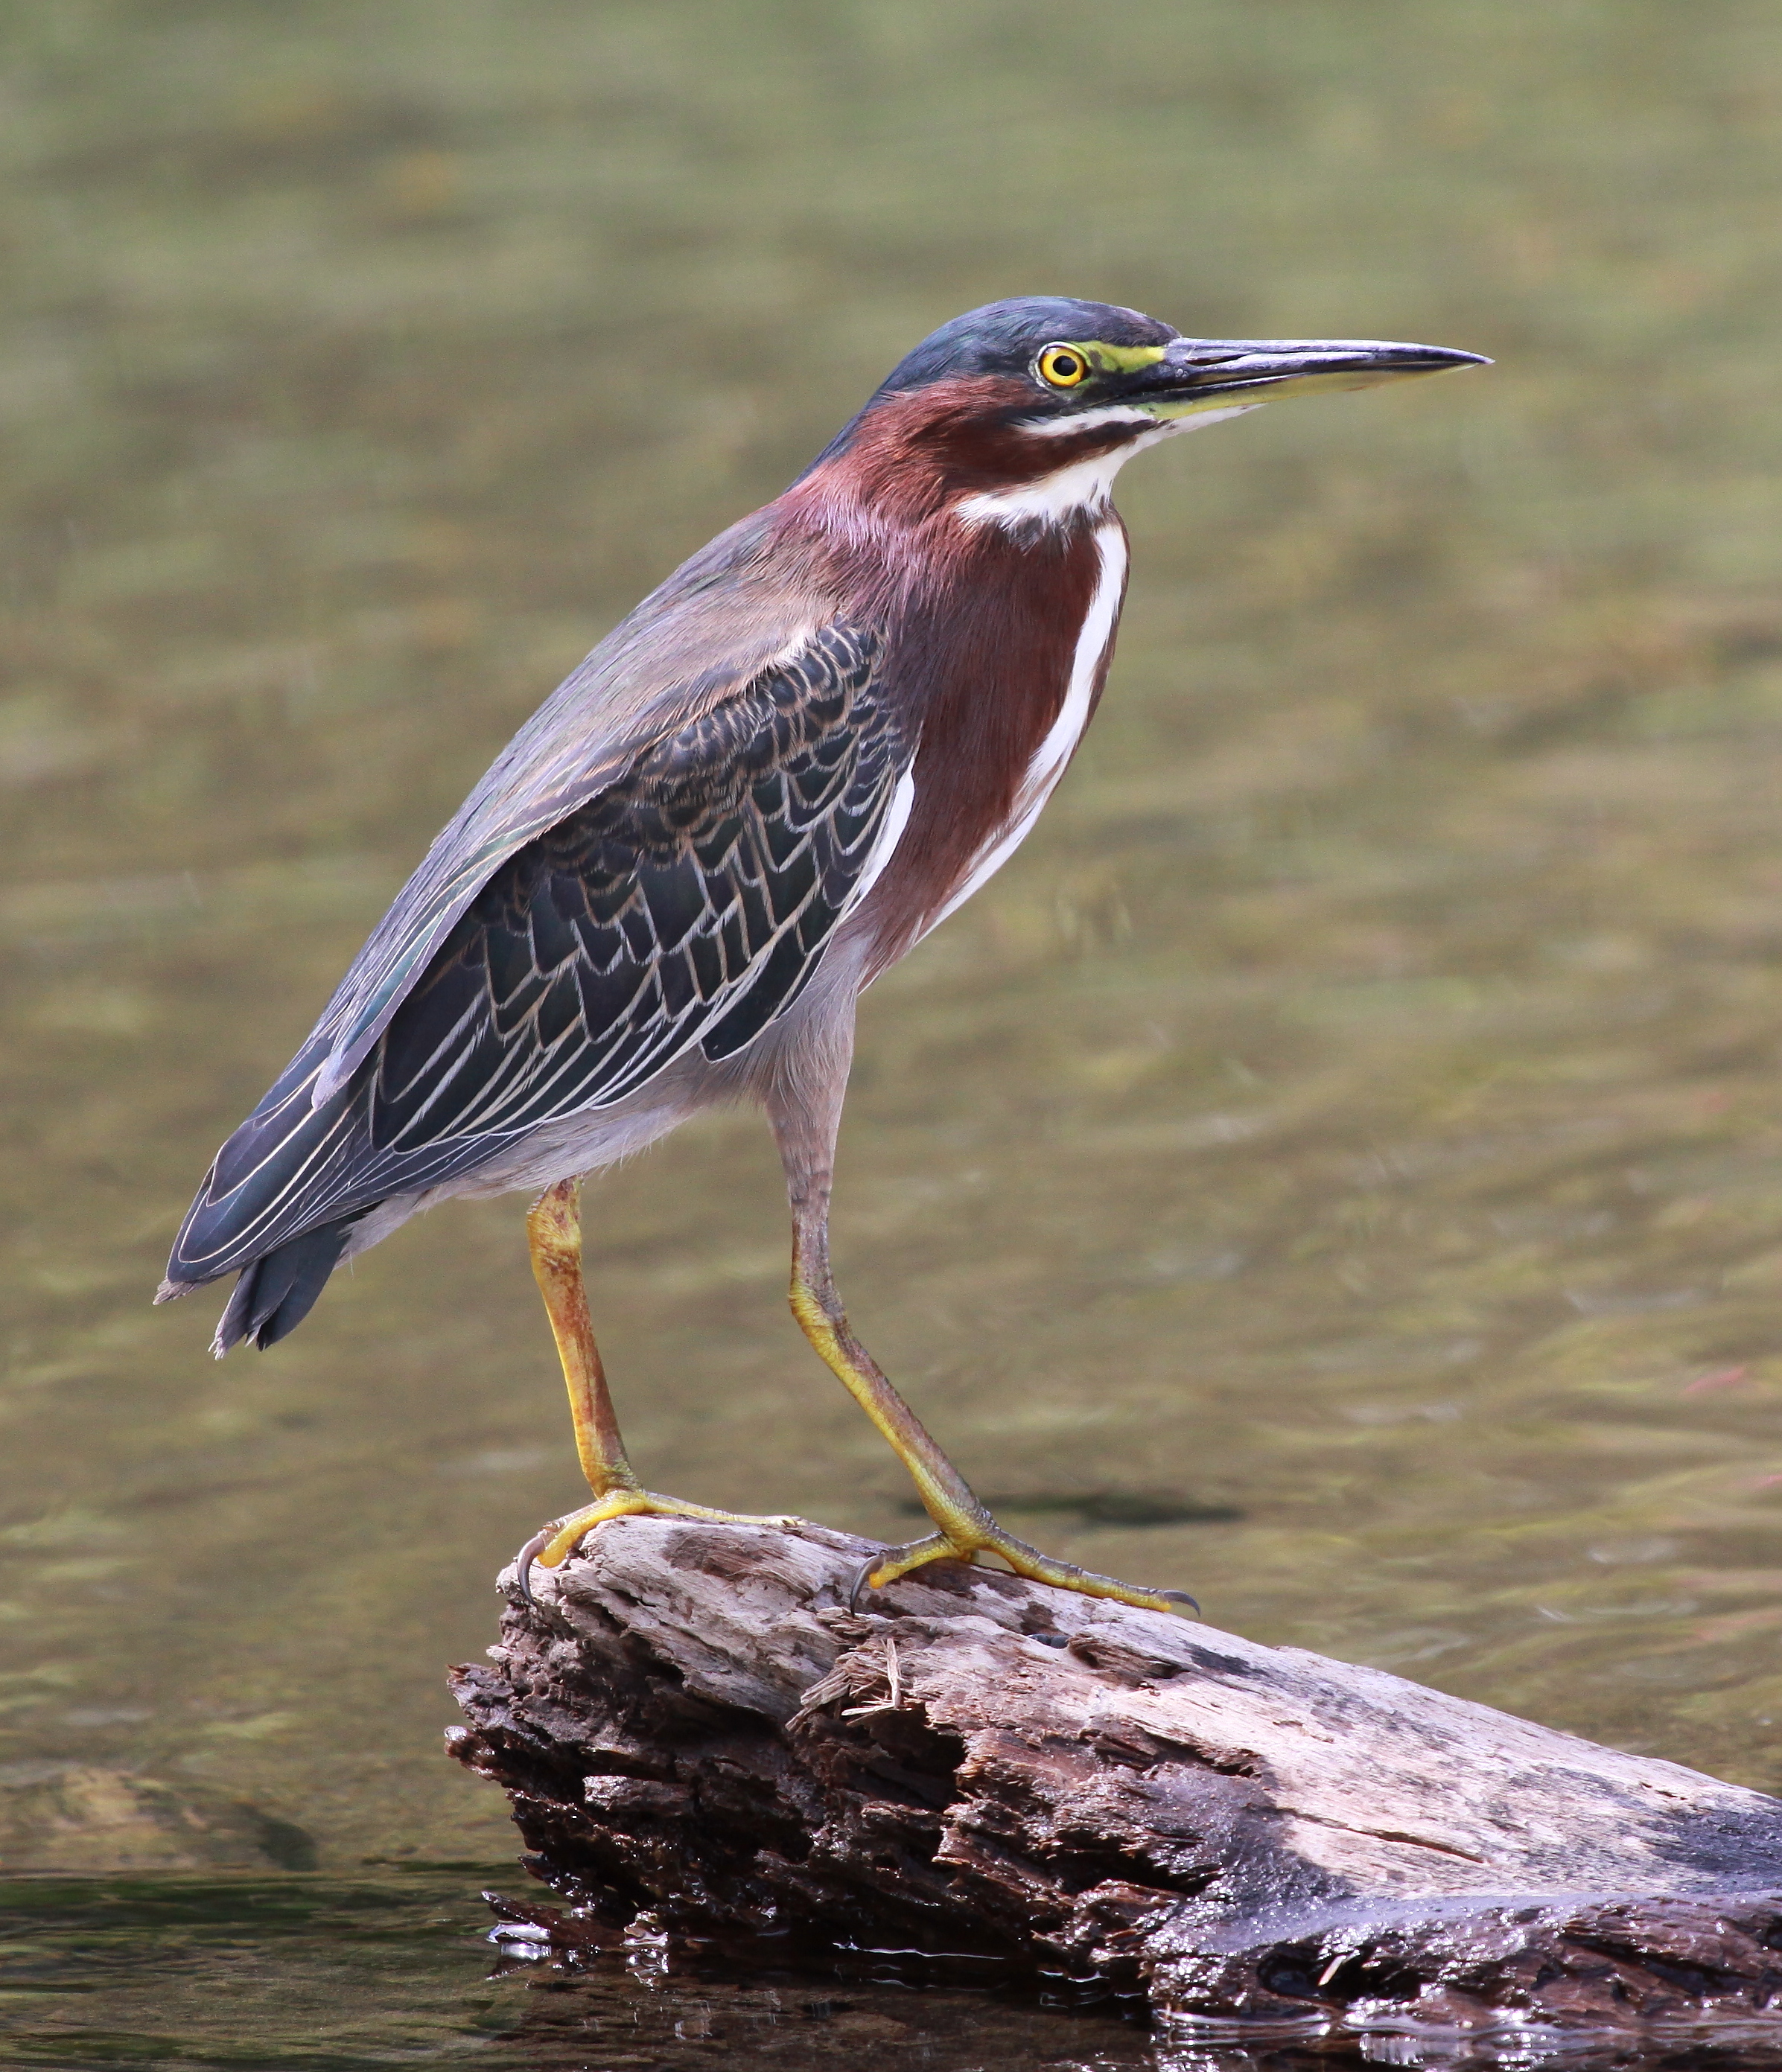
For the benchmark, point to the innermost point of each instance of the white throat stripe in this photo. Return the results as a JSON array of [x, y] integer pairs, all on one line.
[[1054, 753], [1085, 421], [1085, 485]]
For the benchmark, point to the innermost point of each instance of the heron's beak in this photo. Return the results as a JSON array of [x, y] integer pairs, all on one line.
[[1221, 374]]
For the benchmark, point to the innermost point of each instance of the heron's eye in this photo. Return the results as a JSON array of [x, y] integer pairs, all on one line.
[[1062, 366]]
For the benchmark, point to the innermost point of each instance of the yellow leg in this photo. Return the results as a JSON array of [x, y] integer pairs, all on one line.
[[965, 1529], [553, 1235]]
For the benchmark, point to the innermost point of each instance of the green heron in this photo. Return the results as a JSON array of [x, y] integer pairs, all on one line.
[[792, 761]]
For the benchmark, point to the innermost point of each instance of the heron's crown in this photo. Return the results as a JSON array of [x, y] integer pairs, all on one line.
[[1008, 337]]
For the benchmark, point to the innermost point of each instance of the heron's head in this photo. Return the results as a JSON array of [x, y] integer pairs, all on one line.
[[1025, 410]]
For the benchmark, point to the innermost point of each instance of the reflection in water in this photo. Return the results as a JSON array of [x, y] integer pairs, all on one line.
[[1355, 1110], [188, 1971], [351, 1974]]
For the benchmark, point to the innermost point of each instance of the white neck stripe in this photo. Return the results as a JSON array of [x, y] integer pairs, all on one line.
[[1052, 756], [1085, 421], [1083, 485]]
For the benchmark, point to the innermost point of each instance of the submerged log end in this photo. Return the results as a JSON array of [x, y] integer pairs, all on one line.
[[693, 1728]]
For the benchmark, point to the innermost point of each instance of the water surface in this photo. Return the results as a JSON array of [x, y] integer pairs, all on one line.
[[1333, 1169]]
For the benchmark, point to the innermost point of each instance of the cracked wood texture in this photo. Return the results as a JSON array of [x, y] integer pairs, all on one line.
[[694, 1730]]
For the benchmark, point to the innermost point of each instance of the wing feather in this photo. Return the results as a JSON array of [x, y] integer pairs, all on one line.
[[688, 901], [719, 620], [608, 946]]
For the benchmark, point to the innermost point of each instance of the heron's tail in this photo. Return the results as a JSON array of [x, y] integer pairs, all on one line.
[[275, 1293]]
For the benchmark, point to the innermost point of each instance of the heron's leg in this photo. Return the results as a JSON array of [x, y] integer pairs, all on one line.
[[553, 1235], [964, 1528]]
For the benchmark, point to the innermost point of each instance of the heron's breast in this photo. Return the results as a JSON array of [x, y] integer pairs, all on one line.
[[1006, 677]]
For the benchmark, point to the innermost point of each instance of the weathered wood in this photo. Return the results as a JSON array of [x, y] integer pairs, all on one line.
[[692, 1726]]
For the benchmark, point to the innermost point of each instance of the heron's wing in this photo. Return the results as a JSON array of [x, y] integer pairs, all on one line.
[[735, 608], [689, 901]]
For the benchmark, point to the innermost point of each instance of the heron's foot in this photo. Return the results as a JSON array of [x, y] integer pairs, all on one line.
[[968, 1537], [552, 1544]]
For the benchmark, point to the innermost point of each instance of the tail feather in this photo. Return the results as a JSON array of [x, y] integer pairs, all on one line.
[[277, 1292]]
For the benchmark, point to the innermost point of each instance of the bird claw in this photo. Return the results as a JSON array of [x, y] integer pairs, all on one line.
[[858, 1583], [563, 1535], [1025, 1560], [524, 1559]]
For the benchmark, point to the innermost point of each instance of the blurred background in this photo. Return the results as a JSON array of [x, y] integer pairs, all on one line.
[[1333, 1169]]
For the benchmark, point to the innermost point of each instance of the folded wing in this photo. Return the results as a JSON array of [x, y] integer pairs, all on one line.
[[688, 901], [691, 900]]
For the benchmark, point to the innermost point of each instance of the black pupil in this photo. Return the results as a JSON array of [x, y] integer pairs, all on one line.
[[1064, 365]]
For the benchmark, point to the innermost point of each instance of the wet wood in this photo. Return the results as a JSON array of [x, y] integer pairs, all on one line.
[[700, 1741]]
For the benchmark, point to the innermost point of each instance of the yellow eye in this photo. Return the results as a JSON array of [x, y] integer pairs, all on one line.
[[1062, 366]]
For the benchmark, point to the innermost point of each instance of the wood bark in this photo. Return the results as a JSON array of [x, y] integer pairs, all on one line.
[[700, 1742]]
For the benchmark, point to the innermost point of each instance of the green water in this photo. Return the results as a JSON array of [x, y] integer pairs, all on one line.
[[1334, 1169], [344, 1976]]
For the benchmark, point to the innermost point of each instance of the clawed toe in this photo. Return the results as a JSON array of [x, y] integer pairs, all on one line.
[[1025, 1560], [552, 1545], [522, 1561]]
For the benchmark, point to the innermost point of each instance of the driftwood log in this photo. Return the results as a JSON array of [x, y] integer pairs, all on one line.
[[696, 1734]]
